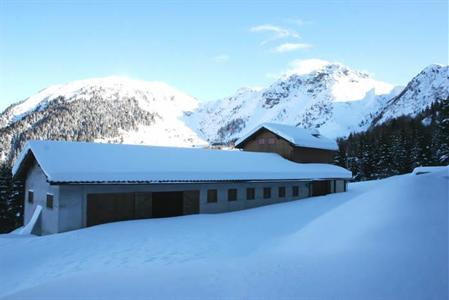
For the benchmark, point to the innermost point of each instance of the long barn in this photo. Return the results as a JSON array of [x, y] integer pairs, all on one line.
[[81, 184]]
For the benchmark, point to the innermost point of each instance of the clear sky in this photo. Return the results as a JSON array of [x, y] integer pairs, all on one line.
[[211, 48]]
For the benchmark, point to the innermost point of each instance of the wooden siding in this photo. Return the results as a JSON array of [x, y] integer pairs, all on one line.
[[286, 149], [280, 146], [312, 155], [191, 202]]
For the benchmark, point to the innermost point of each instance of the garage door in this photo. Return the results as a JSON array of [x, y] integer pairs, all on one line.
[[320, 188], [167, 204], [113, 207]]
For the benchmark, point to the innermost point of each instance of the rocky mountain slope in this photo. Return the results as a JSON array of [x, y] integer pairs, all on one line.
[[333, 98]]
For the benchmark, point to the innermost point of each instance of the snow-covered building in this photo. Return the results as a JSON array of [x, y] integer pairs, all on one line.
[[293, 143], [76, 184]]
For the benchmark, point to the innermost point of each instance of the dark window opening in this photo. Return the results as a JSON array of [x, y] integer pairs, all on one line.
[[50, 199], [250, 193], [281, 191], [271, 141], [212, 196], [266, 193], [30, 197], [232, 195], [261, 141], [295, 191]]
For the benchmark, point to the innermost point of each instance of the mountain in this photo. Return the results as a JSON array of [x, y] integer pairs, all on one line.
[[430, 85], [333, 98], [111, 109]]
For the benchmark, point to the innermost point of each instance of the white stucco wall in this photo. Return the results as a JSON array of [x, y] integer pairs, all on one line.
[[36, 181]]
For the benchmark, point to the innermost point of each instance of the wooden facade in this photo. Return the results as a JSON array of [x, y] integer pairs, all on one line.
[[266, 141], [113, 207]]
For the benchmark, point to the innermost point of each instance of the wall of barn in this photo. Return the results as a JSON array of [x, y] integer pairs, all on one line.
[[36, 182], [271, 143], [312, 155], [223, 204], [73, 198]]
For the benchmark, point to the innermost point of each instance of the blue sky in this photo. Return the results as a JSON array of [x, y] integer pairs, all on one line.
[[210, 48]]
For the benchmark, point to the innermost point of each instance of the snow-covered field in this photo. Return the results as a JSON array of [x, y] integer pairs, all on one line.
[[385, 239]]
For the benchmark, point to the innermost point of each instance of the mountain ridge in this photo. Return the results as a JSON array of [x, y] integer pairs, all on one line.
[[332, 98]]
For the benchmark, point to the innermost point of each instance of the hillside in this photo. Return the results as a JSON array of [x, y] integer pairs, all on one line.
[[110, 109], [384, 239]]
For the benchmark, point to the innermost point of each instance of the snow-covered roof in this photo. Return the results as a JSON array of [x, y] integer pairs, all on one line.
[[77, 162], [300, 137], [429, 169]]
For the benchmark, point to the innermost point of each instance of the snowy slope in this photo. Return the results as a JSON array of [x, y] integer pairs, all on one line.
[[384, 239], [332, 97], [110, 109]]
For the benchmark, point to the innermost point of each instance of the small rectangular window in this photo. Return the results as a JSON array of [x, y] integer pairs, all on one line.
[[271, 141], [212, 196], [281, 191], [250, 193], [266, 193], [50, 201], [295, 191], [261, 141], [30, 197], [232, 195]]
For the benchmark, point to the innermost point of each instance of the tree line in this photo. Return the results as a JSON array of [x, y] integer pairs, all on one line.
[[399, 145]]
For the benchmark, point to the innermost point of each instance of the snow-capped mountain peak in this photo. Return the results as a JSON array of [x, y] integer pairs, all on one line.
[[312, 94], [315, 94]]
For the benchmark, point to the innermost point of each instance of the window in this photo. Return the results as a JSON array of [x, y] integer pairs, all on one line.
[[232, 195], [271, 141], [261, 141], [295, 191], [266, 193], [281, 191], [30, 197], [212, 196], [250, 194], [50, 201]]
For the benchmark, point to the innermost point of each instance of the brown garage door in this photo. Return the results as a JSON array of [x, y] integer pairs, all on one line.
[[167, 204], [320, 188], [113, 207]]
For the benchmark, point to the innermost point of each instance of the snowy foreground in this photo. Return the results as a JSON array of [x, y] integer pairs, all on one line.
[[385, 239]]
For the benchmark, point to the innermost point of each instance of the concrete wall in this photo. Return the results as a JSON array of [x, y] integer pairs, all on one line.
[[36, 181]]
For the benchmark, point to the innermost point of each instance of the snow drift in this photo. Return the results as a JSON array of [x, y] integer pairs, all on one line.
[[385, 239]]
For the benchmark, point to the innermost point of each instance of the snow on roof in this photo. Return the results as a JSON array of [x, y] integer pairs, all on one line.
[[429, 169], [301, 137], [94, 162]]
